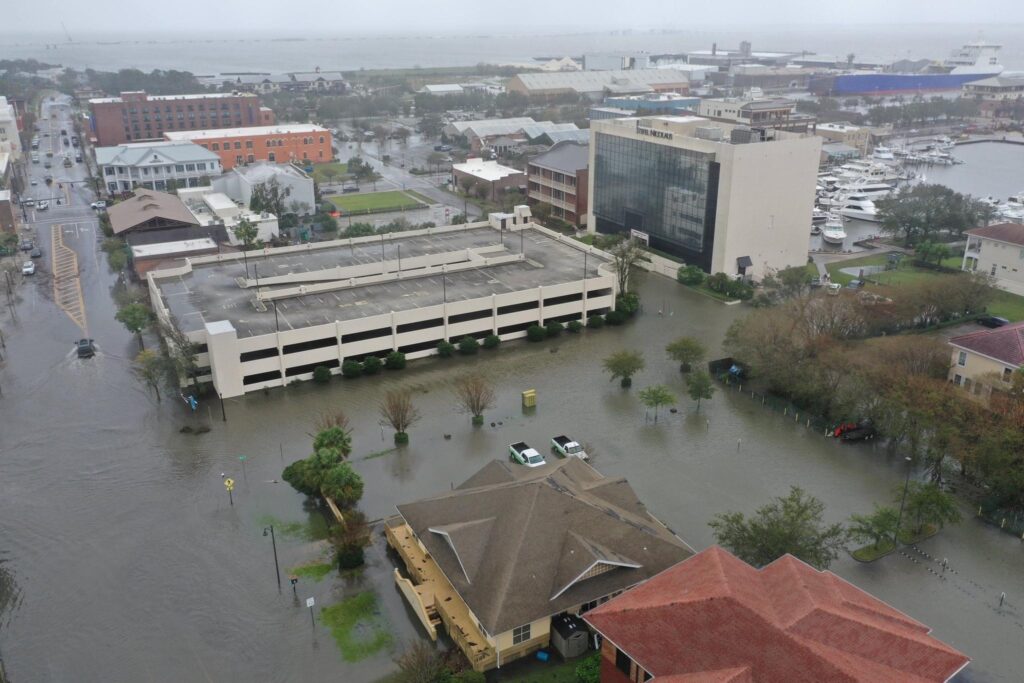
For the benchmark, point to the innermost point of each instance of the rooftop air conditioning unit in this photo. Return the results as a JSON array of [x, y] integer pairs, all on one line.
[[709, 133], [740, 135]]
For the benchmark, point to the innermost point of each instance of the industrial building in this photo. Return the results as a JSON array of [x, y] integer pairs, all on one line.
[[489, 174], [596, 85], [655, 103], [507, 136], [269, 317], [728, 198]]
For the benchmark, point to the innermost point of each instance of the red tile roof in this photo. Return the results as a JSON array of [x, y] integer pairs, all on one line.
[[1004, 232], [1005, 344], [713, 617]]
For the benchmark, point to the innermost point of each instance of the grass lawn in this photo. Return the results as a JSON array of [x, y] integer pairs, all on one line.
[[423, 198], [338, 167], [908, 537], [1004, 304], [314, 570], [701, 289], [376, 202], [870, 553], [357, 626], [532, 671]]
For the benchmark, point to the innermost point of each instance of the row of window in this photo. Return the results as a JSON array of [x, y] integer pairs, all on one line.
[[224, 106], [145, 170]]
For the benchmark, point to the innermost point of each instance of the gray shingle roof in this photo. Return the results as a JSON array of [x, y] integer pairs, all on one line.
[[567, 157], [135, 153], [517, 542]]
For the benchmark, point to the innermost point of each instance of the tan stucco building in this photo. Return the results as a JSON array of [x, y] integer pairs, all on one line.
[[858, 137], [986, 360], [997, 251]]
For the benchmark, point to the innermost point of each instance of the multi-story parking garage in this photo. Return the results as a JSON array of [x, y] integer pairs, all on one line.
[[269, 317]]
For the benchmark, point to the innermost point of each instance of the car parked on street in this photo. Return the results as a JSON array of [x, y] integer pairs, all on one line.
[[101, 204], [992, 321], [28, 268], [42, 205], [36, 253]]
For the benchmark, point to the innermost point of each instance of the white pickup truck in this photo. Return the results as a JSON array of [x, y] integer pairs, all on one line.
[[524, 455], [566, 447]]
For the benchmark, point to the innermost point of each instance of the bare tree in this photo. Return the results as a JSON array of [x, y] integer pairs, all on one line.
[[397, 410], [625, 255], [475, 395], [329, 419]]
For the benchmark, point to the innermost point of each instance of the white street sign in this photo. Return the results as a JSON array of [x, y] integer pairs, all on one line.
[[310, 602]]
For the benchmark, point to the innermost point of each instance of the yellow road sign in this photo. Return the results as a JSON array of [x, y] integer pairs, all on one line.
[[229, 484]]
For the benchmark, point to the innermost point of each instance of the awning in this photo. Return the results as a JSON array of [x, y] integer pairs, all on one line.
[[744, 262]]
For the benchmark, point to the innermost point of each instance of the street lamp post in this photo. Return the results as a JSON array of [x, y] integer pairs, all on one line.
[[903, 501], [273, 541]]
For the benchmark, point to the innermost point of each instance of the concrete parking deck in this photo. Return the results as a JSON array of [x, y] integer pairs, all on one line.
[[212, 291]]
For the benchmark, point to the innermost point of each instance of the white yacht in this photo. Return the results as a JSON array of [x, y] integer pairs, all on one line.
[[832, 232], [874, 172], [883, 153], [869, 188], [860, 208]]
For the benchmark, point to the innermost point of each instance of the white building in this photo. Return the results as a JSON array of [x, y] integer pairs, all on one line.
[[155, 165], [216, 208], [10, 140], [240, 181], [324, 303], [724, 197]]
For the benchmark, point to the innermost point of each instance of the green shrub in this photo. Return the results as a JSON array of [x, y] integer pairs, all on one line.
[[321, 374], [351, 368], [445, 349], [628, 303], [615, 317], [536, 333], [574, 326], [491, 341], [589, 669], [741, 290], [719, 282], [350, 556], [595, 321], [470, 676], [372, 365], [690, 275], [554, 328], [395, 360], [468, 346]]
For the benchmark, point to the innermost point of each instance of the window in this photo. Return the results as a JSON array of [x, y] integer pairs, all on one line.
[[520, 634], [238, 144], [957, 380], [215, 147], [993, 271], [587, 606], [1007, 374], [248, 144], [962, 359], [622, 661], [321, 139], [271, 156], [180, 168], [190, 167]]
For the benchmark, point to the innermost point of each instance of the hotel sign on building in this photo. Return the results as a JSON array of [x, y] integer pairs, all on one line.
[[652, 132]]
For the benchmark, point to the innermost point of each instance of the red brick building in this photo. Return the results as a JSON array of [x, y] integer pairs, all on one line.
[[558, 177], [276, 144], [714, 618], [136, 116]]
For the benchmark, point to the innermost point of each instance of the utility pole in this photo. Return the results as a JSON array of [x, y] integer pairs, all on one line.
[[273, 541]]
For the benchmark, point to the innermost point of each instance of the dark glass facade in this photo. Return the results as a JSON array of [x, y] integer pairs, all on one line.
[[667, 192]]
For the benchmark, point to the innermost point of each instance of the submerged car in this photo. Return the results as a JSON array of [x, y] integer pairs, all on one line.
[[85, 348]]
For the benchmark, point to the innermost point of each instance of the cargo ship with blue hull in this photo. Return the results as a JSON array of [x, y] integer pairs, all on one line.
[[972, 62]]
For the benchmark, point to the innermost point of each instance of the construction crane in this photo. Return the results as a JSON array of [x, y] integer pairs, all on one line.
[[66, 32]]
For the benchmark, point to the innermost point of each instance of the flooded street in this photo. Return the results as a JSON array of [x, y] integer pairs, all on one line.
[[121, 558]]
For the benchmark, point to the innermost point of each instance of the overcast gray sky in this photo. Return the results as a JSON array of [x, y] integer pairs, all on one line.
[[388, 16]]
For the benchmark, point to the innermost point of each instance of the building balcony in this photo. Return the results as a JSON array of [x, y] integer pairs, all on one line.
[[547, 182], [433, 599], [547, 199]]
